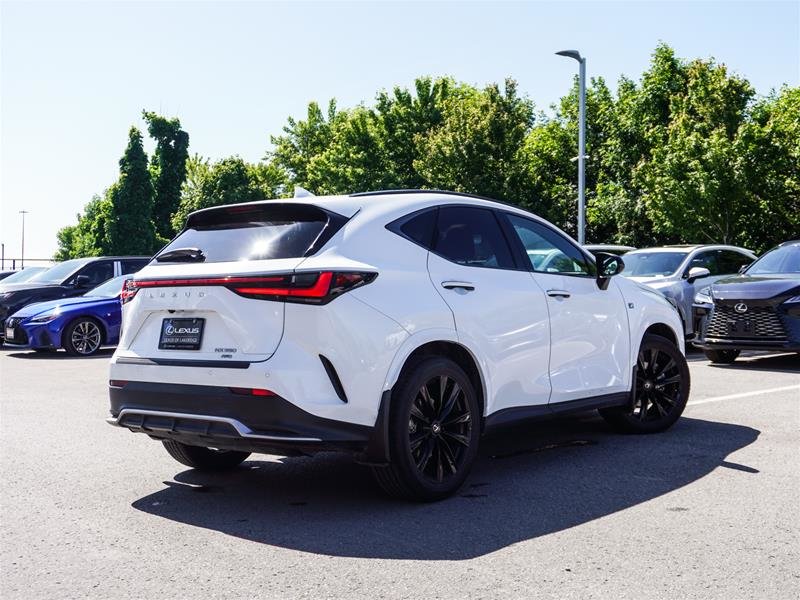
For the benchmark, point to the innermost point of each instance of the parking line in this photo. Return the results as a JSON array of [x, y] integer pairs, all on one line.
[[785, 388]]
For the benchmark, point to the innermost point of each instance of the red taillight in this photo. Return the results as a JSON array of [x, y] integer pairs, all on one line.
[[317, 287], [129, 290], [252, 392]]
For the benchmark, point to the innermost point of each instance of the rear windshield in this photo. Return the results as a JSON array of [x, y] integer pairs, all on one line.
[[259, 232]]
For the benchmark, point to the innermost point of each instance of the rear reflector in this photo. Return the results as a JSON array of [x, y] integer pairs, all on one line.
[[118, 383], [252, 392], [314, 287]]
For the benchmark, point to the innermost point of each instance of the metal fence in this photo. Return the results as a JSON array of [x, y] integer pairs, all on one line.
[[18, 263]]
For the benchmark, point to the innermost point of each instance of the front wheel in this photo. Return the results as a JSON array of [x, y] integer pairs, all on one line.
[[434, 427], [83, 337], [204, 459], [660, 390], [721, 357]]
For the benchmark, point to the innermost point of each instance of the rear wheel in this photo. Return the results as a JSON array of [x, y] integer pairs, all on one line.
[[204, 459], [434, 427], [724, 357], [83, 337], [660, 391]]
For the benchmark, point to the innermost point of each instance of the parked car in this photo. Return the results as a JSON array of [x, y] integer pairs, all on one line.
[[679, 272], [65, 280], [80, 325], [26, 274], [757, 310], [617, 249], [397, 326]]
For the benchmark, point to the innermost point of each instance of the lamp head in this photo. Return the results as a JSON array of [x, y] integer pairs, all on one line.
[[571, 54]]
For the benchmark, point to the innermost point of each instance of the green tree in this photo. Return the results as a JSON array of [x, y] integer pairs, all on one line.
[[129, 226], [167, 169], [228, 181]]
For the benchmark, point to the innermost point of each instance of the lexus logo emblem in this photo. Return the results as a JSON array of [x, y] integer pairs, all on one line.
[[740, 308]]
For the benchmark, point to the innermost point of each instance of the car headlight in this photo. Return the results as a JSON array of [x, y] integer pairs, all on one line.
[[704, 296], [43, 319]]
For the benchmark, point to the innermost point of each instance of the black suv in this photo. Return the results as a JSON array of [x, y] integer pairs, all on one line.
[[756, 310], [69, 278]]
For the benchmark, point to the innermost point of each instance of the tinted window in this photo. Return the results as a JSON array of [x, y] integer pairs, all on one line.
[[471, 237], [652, 264], [59, 272], [263, 231], [707, 260], [420, 228], [730, 261], [547, 251], [132, 265], [785, 259], [97, 272]]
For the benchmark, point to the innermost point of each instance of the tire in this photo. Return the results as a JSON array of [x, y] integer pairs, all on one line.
[[434, 429], [83, 337], [660, 389], [204, 459], [721, 357]]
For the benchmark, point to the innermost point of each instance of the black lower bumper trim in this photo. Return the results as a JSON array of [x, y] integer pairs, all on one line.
[[216, 417]]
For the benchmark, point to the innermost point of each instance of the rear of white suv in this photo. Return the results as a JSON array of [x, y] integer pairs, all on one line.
[[394, 326]]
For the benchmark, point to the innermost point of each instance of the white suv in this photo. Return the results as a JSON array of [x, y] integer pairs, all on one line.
[[398, 326]]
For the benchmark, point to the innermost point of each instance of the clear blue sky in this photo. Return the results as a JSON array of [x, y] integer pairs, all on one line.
[[76, 76]]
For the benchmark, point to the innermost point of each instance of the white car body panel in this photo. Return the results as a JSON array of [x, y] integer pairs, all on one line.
[[530, 349]]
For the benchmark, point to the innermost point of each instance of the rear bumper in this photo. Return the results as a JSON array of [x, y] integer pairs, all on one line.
[[216, 417]]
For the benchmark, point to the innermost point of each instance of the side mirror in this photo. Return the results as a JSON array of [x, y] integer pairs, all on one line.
[[608, 265], [697, 273], [82, 281]]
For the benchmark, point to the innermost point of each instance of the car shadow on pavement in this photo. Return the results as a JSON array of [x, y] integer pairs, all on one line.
[[55, 354], [529, 481], [778, 363]]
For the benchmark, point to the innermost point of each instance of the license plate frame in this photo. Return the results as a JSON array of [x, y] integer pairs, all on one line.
[[181, 333]]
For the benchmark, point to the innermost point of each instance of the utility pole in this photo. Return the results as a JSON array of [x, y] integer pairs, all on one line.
[[581, 141], [22, 256]]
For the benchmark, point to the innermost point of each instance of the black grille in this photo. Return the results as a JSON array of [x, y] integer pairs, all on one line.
[[758, 322], [18, 334]]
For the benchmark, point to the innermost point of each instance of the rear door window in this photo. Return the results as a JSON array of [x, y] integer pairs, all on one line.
[[730, 261], [471, 237], [259, 232]]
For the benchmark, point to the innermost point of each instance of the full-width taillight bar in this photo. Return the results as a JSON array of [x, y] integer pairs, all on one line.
[[315, 287]]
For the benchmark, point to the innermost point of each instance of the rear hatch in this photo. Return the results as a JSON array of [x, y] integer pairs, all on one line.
[[214, 293]]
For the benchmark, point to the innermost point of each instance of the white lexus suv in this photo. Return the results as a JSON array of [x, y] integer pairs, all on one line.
[[397, 326]]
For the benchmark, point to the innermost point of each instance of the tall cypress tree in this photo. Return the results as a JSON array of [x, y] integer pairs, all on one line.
[[130, 227], [168, 169]]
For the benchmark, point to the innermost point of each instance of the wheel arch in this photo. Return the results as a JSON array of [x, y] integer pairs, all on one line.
[[425, 344]]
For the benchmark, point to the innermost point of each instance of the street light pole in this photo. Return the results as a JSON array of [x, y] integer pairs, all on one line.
[[22, 257], [581, 141]]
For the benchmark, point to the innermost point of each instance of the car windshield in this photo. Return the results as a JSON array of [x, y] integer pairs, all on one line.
[[60, 272], [24, 275], [785, 259], [109, 289], [652, 264]]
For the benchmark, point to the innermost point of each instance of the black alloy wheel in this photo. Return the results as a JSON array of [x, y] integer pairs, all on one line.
[[660, 390], [434, 428], [439, 428]]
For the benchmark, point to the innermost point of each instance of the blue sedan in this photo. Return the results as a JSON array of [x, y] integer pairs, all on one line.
[[80, 325]]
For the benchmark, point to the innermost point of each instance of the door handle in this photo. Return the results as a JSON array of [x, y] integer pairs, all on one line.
[[464, 285], [558, 293]]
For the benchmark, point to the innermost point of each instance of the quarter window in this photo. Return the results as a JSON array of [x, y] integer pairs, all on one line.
[[547, 251], [471, 237]]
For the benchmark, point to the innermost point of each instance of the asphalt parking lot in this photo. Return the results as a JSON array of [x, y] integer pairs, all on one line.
[[561, 509]]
